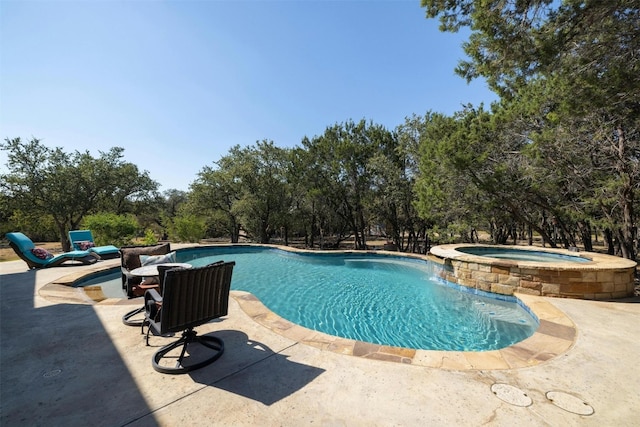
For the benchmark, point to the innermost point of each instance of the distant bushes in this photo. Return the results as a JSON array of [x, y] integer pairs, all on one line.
[[112, 229], [187, 228]]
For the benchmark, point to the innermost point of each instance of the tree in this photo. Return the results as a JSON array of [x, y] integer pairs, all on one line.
[[156, 216], [214, 194], [342, 156], [462, 176], [265, 199], [315, 199], [573, 69], [304, 206], [67, 187], [394, 172], [250, 186]]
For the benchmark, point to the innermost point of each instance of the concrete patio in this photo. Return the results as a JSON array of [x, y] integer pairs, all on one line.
[[66, 360]]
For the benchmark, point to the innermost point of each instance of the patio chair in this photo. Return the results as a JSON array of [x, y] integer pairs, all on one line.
[[131, 285], [82, 240], [190, 298], [41, 258]]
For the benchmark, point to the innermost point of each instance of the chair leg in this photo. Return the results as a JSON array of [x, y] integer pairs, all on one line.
[[188, 337], [126, 319], [148, 332]]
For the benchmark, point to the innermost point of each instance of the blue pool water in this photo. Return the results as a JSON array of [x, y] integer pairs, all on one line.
[[519, 255], [388, 300]]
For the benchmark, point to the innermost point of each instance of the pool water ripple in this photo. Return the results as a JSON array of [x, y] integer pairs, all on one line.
[[386, 300], [379, 299]]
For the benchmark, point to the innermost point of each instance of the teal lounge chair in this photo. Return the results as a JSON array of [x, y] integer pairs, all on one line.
[[82, 240], [24, 247]]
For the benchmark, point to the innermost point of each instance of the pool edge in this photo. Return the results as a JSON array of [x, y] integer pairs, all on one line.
[[555, 336]]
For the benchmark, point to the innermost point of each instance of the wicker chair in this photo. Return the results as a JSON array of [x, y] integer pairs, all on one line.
[[190, 298], [129, 260]]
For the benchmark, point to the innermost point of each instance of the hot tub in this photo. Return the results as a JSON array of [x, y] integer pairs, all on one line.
[[535, 271]]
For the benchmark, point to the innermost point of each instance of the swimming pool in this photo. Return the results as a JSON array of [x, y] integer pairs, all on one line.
[[381, 299]]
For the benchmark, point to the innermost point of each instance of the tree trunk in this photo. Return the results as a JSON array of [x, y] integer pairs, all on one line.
[[585, 235], [264, 231], [363, 228], [626, 234], [235, 229], [565, 235], [608, 238], [64, 238], [314, 227]]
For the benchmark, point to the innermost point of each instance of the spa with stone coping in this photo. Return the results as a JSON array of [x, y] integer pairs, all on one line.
[[596, 277]]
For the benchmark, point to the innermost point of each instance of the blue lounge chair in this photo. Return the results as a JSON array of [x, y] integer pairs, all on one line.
[[82, 240], [24, 247]]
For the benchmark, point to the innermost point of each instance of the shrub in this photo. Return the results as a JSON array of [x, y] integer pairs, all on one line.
[[188, 228], [149, 237], [111, 229]]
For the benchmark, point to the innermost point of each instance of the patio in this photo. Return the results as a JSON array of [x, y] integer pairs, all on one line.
[[67, 362]]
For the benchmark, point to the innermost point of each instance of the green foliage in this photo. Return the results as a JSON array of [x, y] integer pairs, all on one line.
[[67, 187], [342, 177], [216, 224], [149, 237], [111, 229], [187, 228], [394, 171], [38, 228], [568, 75], [214, 194], [250, 186]]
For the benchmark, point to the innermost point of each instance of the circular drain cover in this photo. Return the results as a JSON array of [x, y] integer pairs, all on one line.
[[511, 395], [569, 403]]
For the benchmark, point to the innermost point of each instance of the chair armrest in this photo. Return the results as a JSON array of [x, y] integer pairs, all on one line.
[[125, 273], [129, 282], [152, 294], [152, 303]]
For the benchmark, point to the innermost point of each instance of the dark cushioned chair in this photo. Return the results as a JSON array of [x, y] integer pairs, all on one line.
[[190, 298], [130, 260]]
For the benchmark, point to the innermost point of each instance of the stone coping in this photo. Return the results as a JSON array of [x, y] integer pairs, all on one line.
[[602, 277], [597, 261], [555, 336]]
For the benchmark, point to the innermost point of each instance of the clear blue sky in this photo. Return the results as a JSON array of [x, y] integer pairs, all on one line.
[[178, 83]]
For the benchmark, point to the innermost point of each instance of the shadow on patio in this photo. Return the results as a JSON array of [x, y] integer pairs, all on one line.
[[264, 375], [58, 364]]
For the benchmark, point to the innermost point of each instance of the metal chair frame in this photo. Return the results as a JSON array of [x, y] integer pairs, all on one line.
[[190, 298]]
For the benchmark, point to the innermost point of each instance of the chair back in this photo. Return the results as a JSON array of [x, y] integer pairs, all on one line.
[[130, 259], [130, 255], [22, 246], [76, 236], [192, 297]]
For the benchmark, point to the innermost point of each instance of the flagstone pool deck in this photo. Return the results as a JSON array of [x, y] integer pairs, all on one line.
[[67, 359]]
